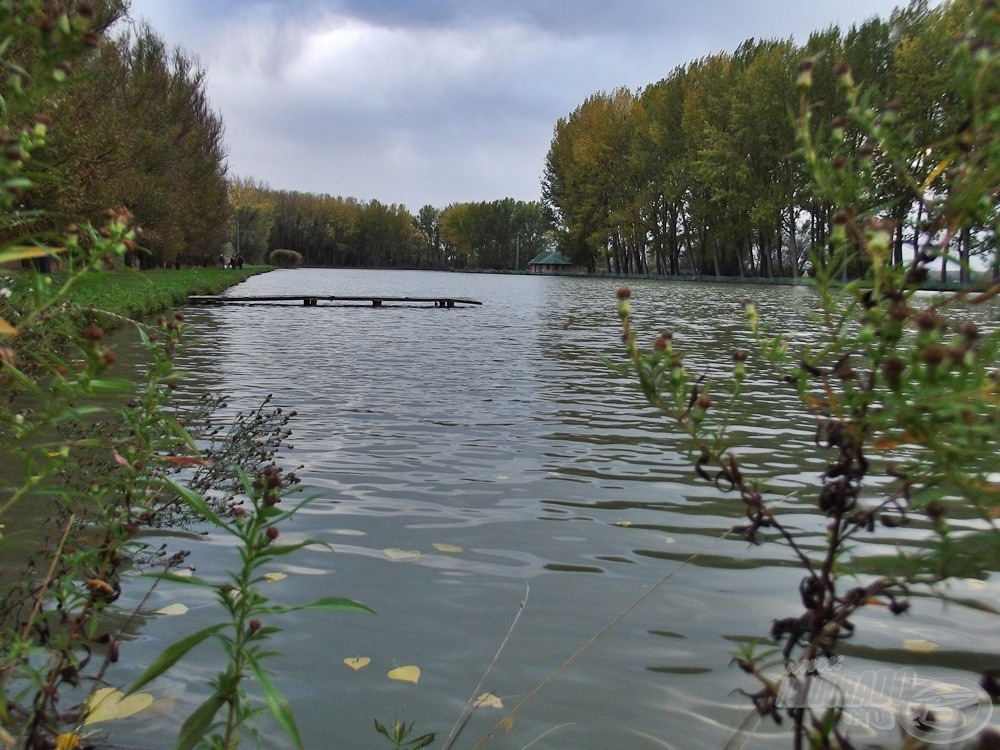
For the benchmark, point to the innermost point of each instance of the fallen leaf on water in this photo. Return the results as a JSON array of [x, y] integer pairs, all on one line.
[[394, 553], [488, 700], [275, 576], [172, 609], [623, 524], [183, 573], [885, 444], [68, 741], [442, 547], [107, 704], [185, 461], [98, 586], [357, 662], [876, 601], [975, 583], [405, 674], [920, 646]]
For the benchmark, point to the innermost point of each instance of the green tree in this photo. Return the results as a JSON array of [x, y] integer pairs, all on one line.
[[590, 187], [252, 217], [137, 132]]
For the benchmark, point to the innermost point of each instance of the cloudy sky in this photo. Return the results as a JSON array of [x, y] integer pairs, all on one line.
[[438, 101]]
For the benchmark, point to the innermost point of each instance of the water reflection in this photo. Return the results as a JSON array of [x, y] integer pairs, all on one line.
[[495, 449]]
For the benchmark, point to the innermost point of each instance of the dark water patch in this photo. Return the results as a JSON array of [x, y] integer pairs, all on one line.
[[567, 568], [680, 670]]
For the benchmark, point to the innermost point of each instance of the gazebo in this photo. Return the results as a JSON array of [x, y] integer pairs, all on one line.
[[550, 261]]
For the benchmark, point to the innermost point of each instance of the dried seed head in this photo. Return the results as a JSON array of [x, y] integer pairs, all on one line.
[[935, 510], [93, 333], [843, 73], [934, 354], [968, 330], [899, 311], [892, 370], [928, 320], [804, 75]]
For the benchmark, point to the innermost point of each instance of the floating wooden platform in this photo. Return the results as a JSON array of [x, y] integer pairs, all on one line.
[[313, 300]]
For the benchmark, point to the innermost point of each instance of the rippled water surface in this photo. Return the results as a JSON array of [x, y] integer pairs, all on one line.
[[498, 434]]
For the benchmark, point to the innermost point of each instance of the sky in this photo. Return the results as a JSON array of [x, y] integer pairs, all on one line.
[[418, 102]]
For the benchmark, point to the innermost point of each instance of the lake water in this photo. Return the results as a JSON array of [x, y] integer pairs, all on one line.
[[498, 434]]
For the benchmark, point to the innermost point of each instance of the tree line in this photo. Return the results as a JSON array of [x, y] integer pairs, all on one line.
[[499, 235], [134, 131], [699, 173]]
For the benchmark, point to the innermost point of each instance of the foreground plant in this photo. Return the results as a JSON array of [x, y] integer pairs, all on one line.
[[245, 632], [903, 386], [89, 460]]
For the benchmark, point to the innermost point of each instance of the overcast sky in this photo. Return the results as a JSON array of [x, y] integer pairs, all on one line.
[[442, 101]]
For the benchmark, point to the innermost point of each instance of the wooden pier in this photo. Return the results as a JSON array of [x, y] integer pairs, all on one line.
[[313, 300]]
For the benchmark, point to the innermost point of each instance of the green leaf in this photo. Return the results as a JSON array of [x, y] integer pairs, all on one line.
[[199, 723], [171, 654], [110, 385], [277, 702], [197, 503], [179, 431], [326, 604], [185, 580], [21, 252], [280, 550]]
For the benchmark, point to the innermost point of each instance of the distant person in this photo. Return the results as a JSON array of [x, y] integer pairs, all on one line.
[[232, 261], [239, 261], [222, 260]]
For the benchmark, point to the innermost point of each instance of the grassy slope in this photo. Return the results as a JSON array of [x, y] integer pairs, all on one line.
[[137, 294], [125, 294]]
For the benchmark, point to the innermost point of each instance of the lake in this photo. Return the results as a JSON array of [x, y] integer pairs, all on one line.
[[464, 460]]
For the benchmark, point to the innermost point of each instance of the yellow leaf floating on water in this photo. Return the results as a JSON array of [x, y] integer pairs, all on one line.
[[442, 547], [920, 646], [275, 576], [405, 674], [68, 741], [623, 524], [357, 662], [107, 704], [172, 609], [393, 553], [488, 700]]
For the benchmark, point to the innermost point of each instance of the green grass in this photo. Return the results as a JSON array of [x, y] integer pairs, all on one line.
[[111, 298], [137, 294]]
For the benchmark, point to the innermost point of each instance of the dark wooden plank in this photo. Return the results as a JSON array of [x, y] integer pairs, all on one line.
[[311, 299]]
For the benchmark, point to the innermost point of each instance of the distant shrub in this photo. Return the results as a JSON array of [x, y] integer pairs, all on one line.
[[286, 259]]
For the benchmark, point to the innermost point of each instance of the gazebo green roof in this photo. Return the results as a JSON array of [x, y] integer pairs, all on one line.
[[550, 258]]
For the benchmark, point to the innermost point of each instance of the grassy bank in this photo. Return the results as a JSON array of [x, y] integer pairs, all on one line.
[[107, 299], [135, 295]]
